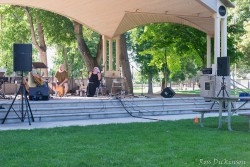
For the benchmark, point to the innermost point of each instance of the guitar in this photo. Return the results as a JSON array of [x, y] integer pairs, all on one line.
[[38, 80]]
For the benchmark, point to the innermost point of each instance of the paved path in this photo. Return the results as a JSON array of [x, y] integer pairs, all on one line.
[[34, 125]]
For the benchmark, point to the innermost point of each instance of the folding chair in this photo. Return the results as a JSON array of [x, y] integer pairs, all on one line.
[[117, 85]]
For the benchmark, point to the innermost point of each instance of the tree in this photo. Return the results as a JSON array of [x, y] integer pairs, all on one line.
[[148, 70], [125, 64], [171, 45], [90, 61], [41, 45], [238, 36], [59, 32], [13, 30]]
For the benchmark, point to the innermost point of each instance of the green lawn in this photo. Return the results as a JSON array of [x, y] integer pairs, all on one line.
[[166, 143], [197, 92]]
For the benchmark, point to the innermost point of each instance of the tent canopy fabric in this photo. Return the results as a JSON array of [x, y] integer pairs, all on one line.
[[114, 17]]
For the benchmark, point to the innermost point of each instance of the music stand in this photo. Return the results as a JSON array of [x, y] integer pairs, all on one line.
[[39, 65], [23, 92]]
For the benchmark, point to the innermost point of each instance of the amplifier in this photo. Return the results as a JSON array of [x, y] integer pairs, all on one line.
[[4, 79], [38, 93], [207, 71]]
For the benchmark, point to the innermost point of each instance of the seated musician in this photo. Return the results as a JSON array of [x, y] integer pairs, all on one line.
[[94, 81], [35, 80], [62, 79]]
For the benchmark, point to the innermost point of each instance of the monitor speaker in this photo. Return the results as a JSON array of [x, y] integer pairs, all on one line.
[[22, 57], [168, 92], [223, 66], [39, 93]]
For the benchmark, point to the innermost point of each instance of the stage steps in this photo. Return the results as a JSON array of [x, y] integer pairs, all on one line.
[[99, 108]]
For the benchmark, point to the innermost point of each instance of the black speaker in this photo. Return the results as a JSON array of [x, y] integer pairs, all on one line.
[[223, 66], [168, 92], [39, 93], [22, 57]]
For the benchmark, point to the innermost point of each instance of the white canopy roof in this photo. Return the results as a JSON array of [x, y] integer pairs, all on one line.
[[114, 17]]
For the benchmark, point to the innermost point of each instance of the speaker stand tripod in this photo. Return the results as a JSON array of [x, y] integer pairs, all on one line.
[[24, 100], [224, 92]]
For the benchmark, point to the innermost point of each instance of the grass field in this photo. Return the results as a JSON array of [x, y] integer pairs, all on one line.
[[165, 143]]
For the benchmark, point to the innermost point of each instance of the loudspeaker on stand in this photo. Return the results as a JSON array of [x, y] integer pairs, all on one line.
[[223, 67], [22, 57]]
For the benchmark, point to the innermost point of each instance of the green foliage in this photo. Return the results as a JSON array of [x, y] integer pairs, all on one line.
[[91, 38], [147, 68], [175, 47], [72, 55], [238, 36], [164, 143], [58, 29], [13, 30]]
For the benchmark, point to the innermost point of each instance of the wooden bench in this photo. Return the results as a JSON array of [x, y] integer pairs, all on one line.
[[246, 115], [203, 111]]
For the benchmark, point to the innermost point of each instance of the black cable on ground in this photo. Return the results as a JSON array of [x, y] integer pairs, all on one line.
[[119, 99]]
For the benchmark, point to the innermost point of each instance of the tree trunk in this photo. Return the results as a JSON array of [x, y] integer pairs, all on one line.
[[164, 81], [162, 84], [65, 58], [43, 58], [150, 85], [70, 72], [41, 46], [125, 64], [83, 48], [99, 53]]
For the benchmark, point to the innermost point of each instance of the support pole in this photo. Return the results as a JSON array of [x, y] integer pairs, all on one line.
[[118, 53], [110, 54], [208, 51], [216, 40], [104, 53], [224, 37]]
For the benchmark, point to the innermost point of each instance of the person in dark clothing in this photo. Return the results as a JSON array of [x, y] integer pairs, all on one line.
[[94, 81]]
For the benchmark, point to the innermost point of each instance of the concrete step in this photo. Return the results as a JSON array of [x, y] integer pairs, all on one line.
[[78, 109]]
